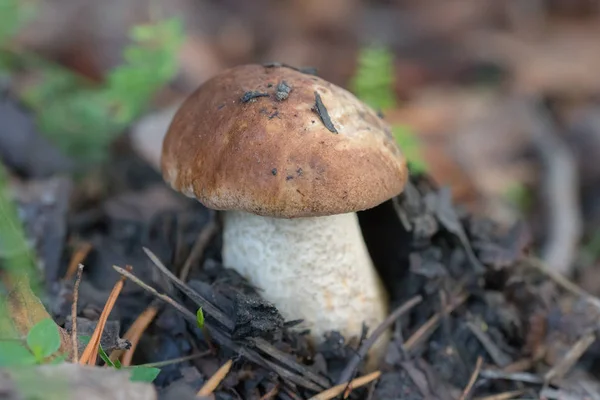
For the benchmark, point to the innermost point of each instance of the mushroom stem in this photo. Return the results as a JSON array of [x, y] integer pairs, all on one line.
[[317, 269]]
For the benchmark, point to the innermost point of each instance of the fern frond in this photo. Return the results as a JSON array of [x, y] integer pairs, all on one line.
[[373, 83], [82, 120]]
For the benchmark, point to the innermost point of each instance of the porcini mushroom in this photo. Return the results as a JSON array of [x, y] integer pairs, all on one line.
[[290, 158]]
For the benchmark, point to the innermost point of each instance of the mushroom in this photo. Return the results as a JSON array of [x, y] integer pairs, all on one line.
[[289, 159]]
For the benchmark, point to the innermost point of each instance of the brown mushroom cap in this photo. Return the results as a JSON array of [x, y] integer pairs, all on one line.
[[275, 156]]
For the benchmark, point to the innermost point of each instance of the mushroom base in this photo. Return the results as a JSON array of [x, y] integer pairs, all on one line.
[[315, 269]]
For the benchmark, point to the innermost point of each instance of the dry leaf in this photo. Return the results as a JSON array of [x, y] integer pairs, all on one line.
[[25, 309]]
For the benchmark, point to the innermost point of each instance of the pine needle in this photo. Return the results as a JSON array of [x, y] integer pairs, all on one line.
[[472, 380], [90, 353], [78, 258], [134, 333], [215, 380], [429, 326], [339, 389]]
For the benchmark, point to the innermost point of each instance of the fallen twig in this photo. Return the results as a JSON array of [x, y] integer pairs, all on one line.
[[223, 339], [367, 344], [371, 391], [520, 365], [549, 393], [562, 368], [562, 281], [177, 360], [282, 372], [74, 314], [161, 296], [500, 358], [286, 360], [420, 372], [472, 380], [339, 389], [134, 333], [560, 188], [271, 393], [428, 327], [198, 250], [77, 259], [503, 396], [90, 353], [289, 392], [214, 381], [206, 305], [512, 376]]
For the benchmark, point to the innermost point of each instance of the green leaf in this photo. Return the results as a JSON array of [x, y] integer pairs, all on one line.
[[59, 359], [200, 318], [519, 196], [85, 339], [143, 374], [105, 356], [44, 339], [14, 354]]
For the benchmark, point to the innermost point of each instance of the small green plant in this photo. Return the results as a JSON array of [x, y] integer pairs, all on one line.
[[42, 342], [373, 83], [138, 373], [200, 318], [83, 118], [519, 196], [17, 260], [410, 145], [16, 255], [141, 373], [14, 14], [590, 249]]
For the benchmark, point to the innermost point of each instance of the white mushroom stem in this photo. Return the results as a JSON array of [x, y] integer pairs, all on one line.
[[317, 269]]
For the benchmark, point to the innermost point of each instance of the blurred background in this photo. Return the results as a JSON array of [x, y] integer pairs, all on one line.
[[496, 99]]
